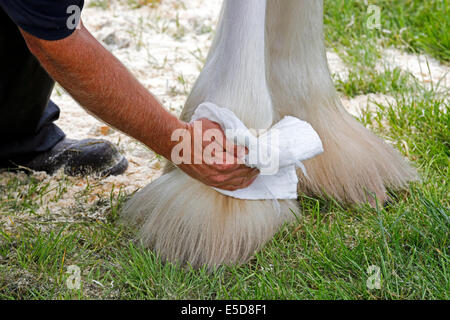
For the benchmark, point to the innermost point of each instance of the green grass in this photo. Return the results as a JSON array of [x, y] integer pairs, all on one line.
[[416, 26], [324, 255], [366, 80]]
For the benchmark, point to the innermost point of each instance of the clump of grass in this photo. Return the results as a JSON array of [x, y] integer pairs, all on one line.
[[103, 4], [417, 26], [361, 82], [360, 45]]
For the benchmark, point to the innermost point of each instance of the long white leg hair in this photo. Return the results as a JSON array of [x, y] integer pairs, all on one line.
[[184, 220], [356, 163]]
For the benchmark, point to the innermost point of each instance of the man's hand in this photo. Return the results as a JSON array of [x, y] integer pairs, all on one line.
[[222, 168]]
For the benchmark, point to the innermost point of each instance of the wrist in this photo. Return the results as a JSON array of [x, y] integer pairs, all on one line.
[[167, 139]]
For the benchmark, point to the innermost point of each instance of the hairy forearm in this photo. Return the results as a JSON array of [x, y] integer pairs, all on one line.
[[102, 85]]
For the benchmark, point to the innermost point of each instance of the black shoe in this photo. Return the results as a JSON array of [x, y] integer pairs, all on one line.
[[89, 156]]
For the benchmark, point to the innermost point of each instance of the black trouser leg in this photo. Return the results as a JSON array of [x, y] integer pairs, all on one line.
[[26, 113]]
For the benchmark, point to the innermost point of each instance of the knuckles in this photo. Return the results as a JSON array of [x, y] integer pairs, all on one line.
[[218, 179], [225, 167]]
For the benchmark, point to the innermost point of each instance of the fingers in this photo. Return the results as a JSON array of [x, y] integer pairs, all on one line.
[[238, 183], [228, 146], [237, 179], [238, 152], [220, 160], [244, 172], [238, 171], [221, 163], [240, 177]]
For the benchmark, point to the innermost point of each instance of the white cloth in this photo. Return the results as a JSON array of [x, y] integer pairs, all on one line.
[[275, 152]]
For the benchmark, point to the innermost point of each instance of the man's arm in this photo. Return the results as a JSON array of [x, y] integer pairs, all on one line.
[[102, 85]]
